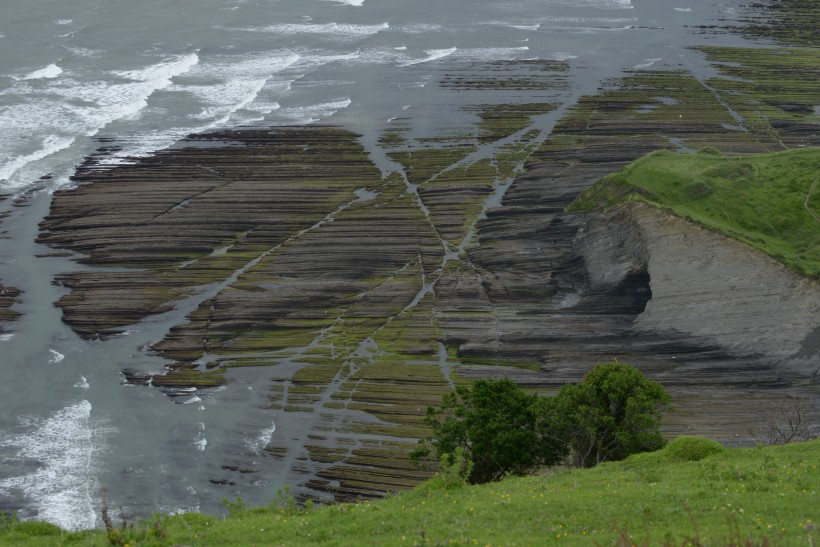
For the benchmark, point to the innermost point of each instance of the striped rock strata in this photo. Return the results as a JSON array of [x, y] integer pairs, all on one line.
[[368, 297]]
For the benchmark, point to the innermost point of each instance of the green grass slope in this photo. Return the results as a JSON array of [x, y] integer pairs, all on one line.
[[770, 201], [738, 495]]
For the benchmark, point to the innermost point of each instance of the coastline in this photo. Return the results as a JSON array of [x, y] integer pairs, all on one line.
[[361, 299]]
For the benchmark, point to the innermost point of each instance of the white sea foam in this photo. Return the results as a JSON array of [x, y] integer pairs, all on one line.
[[237, 93], [56, 357], [594, 20], [240, 85], [614, 4], [683, 9], [255, 67], [319, 59], [84, 51], [597, 4], [257, 444], [192, 400], [6, 337], [83, 383], [266, 107], [357, 3], [382, 56], [646, 63], [50, 145], [411, 85], [161, 73], [315, 112], [589, 30], [67, 446], [432, 55], [344, 30], [51, 71], [181, 509], [200, 442], [492, 53], [526, 27], [232, 86], [63, 21], [69, 107]]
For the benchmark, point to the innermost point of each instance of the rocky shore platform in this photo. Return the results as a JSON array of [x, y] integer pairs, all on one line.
[[8, 297], [368, 295]]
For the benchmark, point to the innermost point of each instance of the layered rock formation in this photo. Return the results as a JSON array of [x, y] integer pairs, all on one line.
[[369, 296], [8, 297], [709, 286]]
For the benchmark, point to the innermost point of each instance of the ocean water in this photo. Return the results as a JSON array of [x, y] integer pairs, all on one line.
[[138, 76]]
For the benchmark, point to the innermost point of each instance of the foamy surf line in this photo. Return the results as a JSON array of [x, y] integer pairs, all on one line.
[[50, 145], [257, 444], [67, 445], [49, 72], [235, 86], [331, 29], [105, 102], [432, 55], [313, 113]]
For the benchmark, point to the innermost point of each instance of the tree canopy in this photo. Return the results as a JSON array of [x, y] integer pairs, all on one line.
[[494, 422], [612, 413]]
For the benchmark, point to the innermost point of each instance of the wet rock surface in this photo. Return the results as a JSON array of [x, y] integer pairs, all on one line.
[[368, 296], [9, 296]]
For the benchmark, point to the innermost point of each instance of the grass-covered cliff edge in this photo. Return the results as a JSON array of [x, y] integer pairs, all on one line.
[[770, 201], [737, 496]]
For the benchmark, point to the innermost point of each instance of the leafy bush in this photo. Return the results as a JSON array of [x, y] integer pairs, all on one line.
[[494, 423], [501, 430], [612, 413], [455, 472], [692, 449]]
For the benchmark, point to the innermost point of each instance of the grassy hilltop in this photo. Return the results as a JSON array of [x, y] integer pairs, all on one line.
[[730, 497], [770, 201]]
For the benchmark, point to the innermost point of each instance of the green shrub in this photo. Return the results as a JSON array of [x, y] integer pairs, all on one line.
[[698, 189], [613, 413], [692, 449], [494, 423], [455, 472]]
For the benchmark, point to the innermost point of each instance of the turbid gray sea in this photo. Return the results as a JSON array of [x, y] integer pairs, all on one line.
[[137, 76]]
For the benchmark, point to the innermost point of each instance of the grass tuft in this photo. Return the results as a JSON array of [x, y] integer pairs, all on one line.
[[692, 449]]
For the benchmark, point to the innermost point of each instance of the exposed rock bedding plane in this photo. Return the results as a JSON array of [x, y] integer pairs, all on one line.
[[368, 296], [8, 298]]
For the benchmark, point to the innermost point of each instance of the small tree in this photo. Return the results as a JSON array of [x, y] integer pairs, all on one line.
[[494, 423], [788, 421], [612, 413]]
